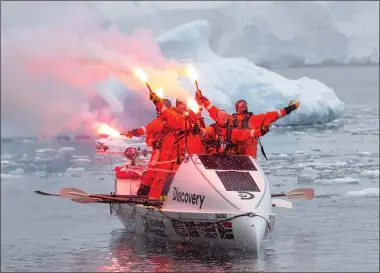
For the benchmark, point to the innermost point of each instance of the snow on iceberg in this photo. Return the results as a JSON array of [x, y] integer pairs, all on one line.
[[281, 33], [225, 80], [285, 33]]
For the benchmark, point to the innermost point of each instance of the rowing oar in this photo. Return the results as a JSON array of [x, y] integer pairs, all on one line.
[[80, 196], [64, 193], [47, 194], [301, 193], [77, 193], [108, 200]]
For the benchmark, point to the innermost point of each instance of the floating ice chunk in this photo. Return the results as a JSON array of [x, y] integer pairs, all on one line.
[[46, 150], [18, 171], [370, 173], [75, 170], [66, 152], [7, 176], [369, 192], [344, 180]]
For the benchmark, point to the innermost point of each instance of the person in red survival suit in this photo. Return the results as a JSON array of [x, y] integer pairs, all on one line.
[[187, 141], [221, 138], [243, 119], [196, 142], [183, 119], [155, 131], [175, 146]]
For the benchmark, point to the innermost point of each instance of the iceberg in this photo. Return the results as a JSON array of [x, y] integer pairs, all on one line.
[[302, 33], [281, 33], [267, 32], [225, 80]]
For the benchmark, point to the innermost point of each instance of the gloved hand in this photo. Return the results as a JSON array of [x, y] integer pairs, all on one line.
[[291, 107], [157, 144], [264, 129], [199, 96], [127, 134], [130, 134], [154, 98], [196, 129]]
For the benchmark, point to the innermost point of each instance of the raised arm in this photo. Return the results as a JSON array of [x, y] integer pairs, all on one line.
[[211, 109], [154, 126], [240, 135], [256, 121]]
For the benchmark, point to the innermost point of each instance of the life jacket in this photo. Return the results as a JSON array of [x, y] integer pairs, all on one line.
[[244, 125], [244, 122], [158, 137], [220, 145]]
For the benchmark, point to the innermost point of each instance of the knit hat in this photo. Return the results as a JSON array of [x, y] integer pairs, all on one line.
[[167, 103], [239, 101], [178, 102]]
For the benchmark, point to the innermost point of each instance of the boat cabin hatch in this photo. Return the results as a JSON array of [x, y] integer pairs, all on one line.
[[228, 163]]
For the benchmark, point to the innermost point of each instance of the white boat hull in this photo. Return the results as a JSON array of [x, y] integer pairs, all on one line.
[[246, 232], [199, 210]]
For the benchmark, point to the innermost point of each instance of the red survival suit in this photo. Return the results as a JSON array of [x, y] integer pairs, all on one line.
[[155, 132], [223, 139], [246, 120], [175, 144]]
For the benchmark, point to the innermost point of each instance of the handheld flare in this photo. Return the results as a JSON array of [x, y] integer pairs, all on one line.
[[103, 128], [143, 77], [193, 105], [159, 92], [192, 73]]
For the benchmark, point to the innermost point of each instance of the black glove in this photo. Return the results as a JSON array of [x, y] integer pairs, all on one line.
[[153, 97], [291, 107], [157, 145], [135, 132], [196, 129], [128, 134], [264, 129]]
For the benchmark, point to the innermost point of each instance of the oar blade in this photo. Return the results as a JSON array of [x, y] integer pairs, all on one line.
[[301, 193], [71, 193]]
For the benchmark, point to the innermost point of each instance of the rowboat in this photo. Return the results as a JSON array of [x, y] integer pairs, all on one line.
[[217, 200]]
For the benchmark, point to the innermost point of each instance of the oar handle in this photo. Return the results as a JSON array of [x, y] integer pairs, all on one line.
[[45, 193], [286, 194], [302, 193], [278, 194]]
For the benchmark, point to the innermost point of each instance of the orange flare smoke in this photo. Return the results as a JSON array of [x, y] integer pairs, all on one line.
[[105, 129], [192, 104]]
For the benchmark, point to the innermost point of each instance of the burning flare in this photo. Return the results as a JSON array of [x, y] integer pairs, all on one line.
[[102, 128], [192, 104], [192, 73], [159, 92], [141, 75]]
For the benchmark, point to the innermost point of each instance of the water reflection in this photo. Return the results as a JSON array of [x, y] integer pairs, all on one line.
[[130, 252]]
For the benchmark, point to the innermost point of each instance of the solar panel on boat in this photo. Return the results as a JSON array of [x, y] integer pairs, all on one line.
[[237, 181], [225, 162]]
